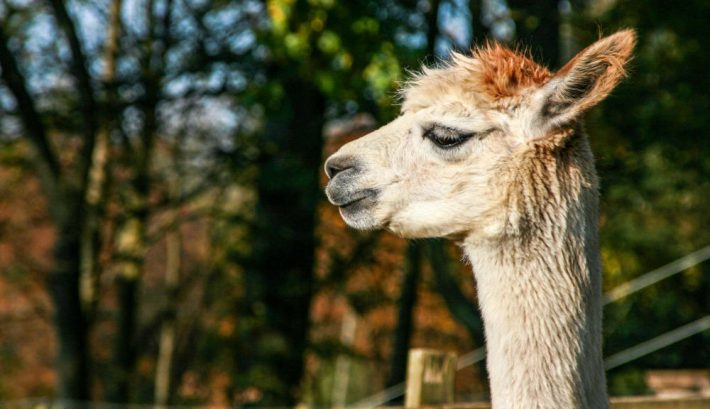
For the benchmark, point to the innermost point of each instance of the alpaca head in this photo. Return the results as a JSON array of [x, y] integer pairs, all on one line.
[[440, 168]]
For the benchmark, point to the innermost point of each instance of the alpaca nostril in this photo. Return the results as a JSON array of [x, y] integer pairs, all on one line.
[[331, 170], [337, 164]]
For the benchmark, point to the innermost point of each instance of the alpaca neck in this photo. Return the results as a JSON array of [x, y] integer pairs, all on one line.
[[539, 291], [542, 319]]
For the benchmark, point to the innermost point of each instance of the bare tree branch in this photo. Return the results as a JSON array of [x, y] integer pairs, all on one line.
[[81, 74], [33, 124]]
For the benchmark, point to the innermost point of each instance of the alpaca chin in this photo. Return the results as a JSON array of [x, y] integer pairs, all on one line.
[[425, 220], [360, 215]]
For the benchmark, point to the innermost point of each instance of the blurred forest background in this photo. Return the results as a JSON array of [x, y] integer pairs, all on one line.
[[163, 232]]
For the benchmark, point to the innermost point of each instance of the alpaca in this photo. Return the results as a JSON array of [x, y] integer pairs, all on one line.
[[490, 151]]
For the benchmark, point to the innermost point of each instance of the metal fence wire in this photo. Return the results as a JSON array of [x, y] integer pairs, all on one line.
[[613, 361]]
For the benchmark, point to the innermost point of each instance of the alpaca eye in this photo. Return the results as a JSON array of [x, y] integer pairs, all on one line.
[[445, 137]]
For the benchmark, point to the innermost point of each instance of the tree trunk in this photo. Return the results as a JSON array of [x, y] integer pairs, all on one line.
[[461, 308], [279, 279], [343, 363], [432, 19], [405, 318], [70, 322], [131, 247], [538, 25], [97, 183], [479, 32], [166, 348], [132, 241], [66, 209]]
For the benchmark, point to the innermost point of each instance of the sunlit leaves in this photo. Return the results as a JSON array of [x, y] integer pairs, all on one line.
[[329, 42], [365, 25], [279, 12], [383, 72]]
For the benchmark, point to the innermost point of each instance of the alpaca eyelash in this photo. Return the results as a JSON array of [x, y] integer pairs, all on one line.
[[445, 137]]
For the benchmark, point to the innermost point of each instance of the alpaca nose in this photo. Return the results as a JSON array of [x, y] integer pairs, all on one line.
[[337, 164]]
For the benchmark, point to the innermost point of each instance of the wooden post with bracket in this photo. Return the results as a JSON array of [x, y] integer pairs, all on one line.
[[430, 378]]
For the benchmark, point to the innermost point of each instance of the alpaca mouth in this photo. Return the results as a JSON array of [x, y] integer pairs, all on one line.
[[357, 211], [355, 205], [345, 199], [354, 202]]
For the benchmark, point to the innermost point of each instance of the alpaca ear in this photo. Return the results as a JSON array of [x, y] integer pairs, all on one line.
[[587, 78]]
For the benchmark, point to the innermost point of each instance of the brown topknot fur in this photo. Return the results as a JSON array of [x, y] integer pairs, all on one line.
[[502, 72]]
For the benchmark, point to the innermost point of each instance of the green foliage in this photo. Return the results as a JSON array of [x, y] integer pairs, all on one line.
[[348, 49], [628, 383]]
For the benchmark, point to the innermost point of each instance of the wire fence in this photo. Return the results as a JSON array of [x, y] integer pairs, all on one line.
[[472, 357], [661, 341], [654, 276]]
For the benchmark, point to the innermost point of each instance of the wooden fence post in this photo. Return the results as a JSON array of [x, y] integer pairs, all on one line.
[[430, 378]]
